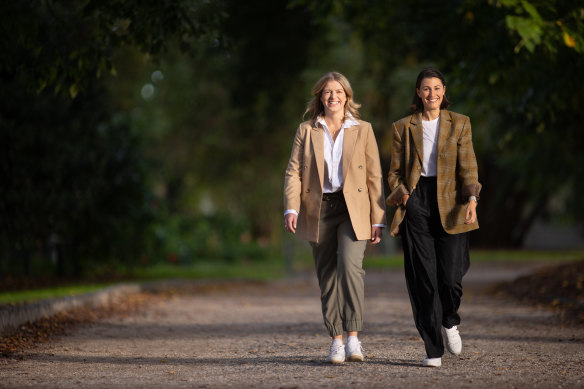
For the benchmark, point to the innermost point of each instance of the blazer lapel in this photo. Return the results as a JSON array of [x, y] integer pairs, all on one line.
[[349, 140], [444, 130], [417, 132], [318, 150]]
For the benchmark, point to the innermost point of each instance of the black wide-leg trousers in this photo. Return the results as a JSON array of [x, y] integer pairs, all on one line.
[[434, 263]]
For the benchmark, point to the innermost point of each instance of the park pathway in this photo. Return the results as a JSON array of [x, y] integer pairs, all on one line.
[[270, 335]]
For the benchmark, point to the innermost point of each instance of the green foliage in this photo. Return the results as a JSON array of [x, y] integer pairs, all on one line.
[[73, 183], [65, 45], [548, 22], [186, 240]]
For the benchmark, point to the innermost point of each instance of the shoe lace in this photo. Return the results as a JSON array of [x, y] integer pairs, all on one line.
[[336, 347]]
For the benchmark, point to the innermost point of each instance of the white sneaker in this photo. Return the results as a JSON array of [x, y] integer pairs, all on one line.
[[452, 340], [337, 353], [353, 350], [432, 362]]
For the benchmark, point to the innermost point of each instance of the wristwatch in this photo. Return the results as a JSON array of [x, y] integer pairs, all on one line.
[[473, 198]]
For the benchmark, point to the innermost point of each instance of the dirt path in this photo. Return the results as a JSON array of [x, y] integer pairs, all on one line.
[[271, 335]]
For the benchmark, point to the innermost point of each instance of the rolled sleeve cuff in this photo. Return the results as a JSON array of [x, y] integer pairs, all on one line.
[[290, 211], [471, 190]]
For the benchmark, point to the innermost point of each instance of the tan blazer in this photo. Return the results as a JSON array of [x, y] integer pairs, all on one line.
[[362, 179], [457, 176]]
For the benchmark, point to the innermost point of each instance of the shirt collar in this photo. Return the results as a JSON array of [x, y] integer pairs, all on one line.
[[350, 121]]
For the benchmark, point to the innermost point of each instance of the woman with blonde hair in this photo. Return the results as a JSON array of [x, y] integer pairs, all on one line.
[[333, 197]]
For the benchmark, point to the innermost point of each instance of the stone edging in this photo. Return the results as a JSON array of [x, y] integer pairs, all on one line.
[[14, 315]]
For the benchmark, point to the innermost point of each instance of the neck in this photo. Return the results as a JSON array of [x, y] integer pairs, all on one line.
[[430, 114], [334, 118]]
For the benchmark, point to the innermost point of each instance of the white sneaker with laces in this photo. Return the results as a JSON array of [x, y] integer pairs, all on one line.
[[353, 350], [452, 340], [432, 362], [337, 352]]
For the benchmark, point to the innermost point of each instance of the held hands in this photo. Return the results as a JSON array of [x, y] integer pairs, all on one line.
[[290, 221], [471, 212], [405, 199]]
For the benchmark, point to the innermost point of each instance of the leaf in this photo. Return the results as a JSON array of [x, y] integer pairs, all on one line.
[[531, 11], [569, 40], [73, 91]]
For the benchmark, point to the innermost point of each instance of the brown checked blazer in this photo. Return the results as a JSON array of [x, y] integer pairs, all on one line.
[[457, 176], [362, 179]]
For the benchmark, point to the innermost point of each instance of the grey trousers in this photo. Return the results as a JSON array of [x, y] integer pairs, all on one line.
[[338, 259]]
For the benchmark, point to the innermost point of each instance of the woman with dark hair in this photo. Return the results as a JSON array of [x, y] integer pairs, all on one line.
[[434, 183], [333, 197]]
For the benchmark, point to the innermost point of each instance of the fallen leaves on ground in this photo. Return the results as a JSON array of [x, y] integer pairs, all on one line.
[[42, 330], [560, 287]]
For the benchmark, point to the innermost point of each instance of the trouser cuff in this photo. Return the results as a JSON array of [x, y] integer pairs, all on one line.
[[353, 325], [334, 330]]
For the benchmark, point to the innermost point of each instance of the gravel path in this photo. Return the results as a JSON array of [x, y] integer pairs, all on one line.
[[270, 335]]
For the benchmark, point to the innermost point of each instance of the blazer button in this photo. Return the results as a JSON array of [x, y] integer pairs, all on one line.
[[307, 190], [360, 166], [359, 190]]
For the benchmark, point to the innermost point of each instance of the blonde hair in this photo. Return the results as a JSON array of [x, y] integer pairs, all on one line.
[[314, 108]]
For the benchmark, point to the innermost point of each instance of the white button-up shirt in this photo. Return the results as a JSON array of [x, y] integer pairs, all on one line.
[[333, 155]]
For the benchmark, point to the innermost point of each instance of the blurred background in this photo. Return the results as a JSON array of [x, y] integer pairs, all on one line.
[[155, 134]]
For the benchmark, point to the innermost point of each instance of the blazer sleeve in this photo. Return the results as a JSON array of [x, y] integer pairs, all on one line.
[[467, 163], [374, 179], [293, 176], [397, 169]]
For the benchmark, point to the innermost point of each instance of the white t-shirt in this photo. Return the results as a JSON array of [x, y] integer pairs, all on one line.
[[430, 143]]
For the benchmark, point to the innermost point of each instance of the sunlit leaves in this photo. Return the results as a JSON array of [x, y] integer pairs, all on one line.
[[546, 22], [529, 30], [569, 40]]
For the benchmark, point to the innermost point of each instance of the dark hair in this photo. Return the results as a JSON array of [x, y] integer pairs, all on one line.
[[429, 72]]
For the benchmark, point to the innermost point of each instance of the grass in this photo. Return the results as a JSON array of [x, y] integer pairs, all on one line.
[[45, 293], [498, 256], [259, 271], [274, 269], [265, 270]]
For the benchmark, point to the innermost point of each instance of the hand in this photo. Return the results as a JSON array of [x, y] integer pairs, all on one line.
[[376, 233], [405, 199], [290, 221], [471, 212]]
